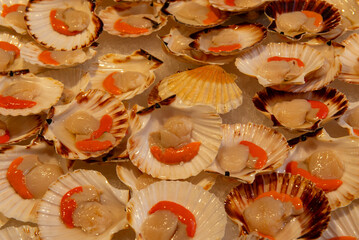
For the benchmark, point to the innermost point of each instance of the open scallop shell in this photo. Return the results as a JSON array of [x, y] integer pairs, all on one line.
[[343, 120], [30, 52], [177, 43], [13, 205], [129, 173], [209, 85], [246, 35], [208, 210], [51, 225], [22, 232], [308, 225], [350, 60], [139, 61], [49, 94], [336, 102], [238, 6], [348, 9], [346, 148], [5, 21], [269, 140], [252, 61], [206, 129], [195, 13], [331, 16], [39, 25], [98, 104], [150, 11]]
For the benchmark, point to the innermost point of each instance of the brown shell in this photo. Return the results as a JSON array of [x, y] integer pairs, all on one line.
[[313, 221], [331, 15]]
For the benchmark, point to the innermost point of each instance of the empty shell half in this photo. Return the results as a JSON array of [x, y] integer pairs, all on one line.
[[249, 149], [350, 119], [175, 141], [90, 126], [209, 85], [201, 207], [350, 60], [82, 205], [22, 232], [238, 5], [301, 111], [63, 24], [304, 214], [280, 63], [12, 14]]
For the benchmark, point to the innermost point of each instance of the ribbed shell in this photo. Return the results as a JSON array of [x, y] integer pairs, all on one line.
[[206, 129], [336, 102], [342, 121], [349, 60], [206, 207], [252, 61], [308, 225], [18, 42], [247, 7], [23, 232], [50, 224], [331, 16], [348, 10], [269, 140], [210, 85], [98, 104], [4, 22], [39, 25]]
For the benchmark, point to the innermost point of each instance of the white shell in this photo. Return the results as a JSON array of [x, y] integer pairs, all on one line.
[[50, 94], [268, 139], [139, 61], [208, 210], [51, 225], [98, 104], [39, 24], [349, 60], [124, 9], [128, 174], [342, 121], [13, 205], [346, 148], [206, 129], [30, 52], [6, 23], [18, 63], [21, 233], [250, 62], [239, 6]]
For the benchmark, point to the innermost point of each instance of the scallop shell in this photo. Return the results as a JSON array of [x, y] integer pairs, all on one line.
[[11, 204], [268, 139], [206, 129], [308, 225], [39, 24], [348, 10], [210, 85], [22, 232], [177, 43], [251, 62], [246, 34], [98, 104], [30, 52], [5, 22], [139, 61], [51, 225], [128, 174], [350, 60], [342, 121], [331, 16], [207, 209], [336, 102], [18, 63], [325, 74], [346, 148], [172, 7], [238, 6], [50, 94], [124, 9]]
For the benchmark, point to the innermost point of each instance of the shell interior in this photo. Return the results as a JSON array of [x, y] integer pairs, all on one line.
[[14, 21], [22, 232], [343, 120], [350, 60], [238, 6]]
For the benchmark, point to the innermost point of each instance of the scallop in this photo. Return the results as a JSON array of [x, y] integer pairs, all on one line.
[[12, 14], [301, 111], [21, 232], [63, 24], [348, 10], [99, 212], [350, 119], [350, 60], [238, 6]]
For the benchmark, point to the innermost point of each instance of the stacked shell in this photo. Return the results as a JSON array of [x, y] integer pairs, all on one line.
[[12, 14], [350, 60]]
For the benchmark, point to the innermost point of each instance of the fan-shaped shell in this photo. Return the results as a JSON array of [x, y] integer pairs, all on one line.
[[348, 9], [349, 60], [308, 225], [8, 21], [22, 232], [206, 130], [51, 225], [252, 61], [16, 41], [272, 142], [330, 15], [336, 102], [237, 6], [39, 24], [207, 209], [210, 85], [98, 104], [343, 120]]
